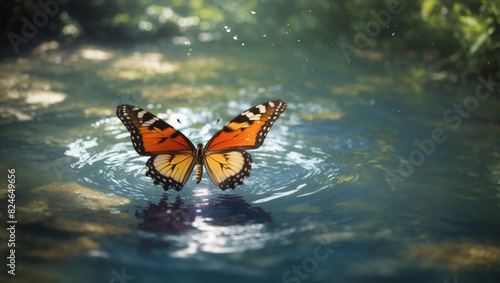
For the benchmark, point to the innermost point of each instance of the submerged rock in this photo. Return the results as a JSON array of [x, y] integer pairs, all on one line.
[[71, 207], [75, 196], [457, 255], [64, 219]]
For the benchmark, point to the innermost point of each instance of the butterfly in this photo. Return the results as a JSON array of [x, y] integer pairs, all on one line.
[[173, 155]]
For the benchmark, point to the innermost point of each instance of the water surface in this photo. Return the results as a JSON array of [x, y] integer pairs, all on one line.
[[340, 190]]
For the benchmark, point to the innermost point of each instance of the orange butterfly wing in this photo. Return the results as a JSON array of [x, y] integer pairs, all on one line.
[[151, 135], [172, 153], [249, 129], [226, 160]]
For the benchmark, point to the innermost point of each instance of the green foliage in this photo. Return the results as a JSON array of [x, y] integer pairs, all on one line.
[[474, 26], [461, 36]]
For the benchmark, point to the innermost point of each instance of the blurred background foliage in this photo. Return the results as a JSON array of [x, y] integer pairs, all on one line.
[[440, 37]]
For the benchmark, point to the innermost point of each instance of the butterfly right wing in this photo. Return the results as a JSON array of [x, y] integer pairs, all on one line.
[[226, 160], [228, 169]]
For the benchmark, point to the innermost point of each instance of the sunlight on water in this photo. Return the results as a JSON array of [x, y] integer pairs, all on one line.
[[214, 239]]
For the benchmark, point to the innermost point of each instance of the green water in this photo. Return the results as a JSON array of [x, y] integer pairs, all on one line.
[[369, 176]]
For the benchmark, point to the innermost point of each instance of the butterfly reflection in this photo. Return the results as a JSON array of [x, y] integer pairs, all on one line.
[[177, 216]]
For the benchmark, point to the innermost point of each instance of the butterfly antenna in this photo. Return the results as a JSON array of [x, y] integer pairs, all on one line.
[[204, 138], [182, 126]]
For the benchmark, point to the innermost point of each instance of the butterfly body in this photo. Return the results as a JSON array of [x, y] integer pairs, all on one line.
[[173, 155], [198, 157]]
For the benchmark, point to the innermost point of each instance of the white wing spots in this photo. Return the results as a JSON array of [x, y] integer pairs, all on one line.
[[140, 114], [251, 116], [149, 122], [254, 117], [277, 107], [262, 108]]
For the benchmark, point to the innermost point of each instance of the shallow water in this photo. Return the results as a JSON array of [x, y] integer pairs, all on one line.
[[340, 190]]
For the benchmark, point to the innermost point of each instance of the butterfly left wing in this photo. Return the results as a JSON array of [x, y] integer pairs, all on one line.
[[151, 135], [172, 153], [170, 170], [226, 160]]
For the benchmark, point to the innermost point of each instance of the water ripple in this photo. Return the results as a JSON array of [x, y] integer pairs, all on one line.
[[297, 160]]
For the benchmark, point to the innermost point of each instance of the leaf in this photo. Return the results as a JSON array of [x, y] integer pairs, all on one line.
[[478, 43]]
